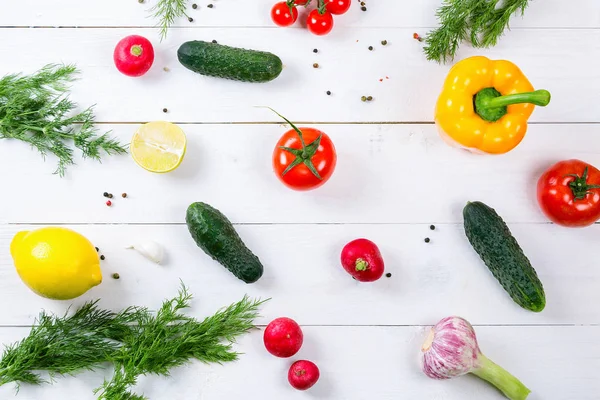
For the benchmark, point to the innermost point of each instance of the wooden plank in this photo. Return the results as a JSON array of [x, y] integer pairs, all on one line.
[[385, 174], [346, 67], [304, 277], [381, 13], [357, 363]]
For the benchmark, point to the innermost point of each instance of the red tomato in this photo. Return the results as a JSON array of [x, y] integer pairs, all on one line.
[[295, 162], [284, 15], [134, 55], [319, 24], [568, 193], [338, 7]]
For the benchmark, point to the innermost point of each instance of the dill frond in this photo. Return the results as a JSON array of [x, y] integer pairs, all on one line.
[[36, 109], [481, 22], [167, 11]]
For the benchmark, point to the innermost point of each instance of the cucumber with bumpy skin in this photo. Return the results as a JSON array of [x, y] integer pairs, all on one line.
[[213, 233], [221, 61], [490, 237]]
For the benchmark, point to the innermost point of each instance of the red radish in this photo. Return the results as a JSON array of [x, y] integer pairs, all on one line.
[[361, 259], [134, 55], [303, 375], [283, 337]]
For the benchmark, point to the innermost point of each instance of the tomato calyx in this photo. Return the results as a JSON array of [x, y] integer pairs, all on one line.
[[303, 155], [322, 7], [579, 185]]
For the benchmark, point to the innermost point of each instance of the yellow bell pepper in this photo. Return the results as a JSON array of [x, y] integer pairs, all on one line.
[[485, 105]]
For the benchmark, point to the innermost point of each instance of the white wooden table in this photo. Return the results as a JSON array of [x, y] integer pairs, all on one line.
[[395, 177]]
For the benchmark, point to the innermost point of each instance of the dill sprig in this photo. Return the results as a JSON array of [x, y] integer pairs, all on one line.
[[167, 11], [66, 345], [481, 22], [136, 341], [170, 339], [36, 109]]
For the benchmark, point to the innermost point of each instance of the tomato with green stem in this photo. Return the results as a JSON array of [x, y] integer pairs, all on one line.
[[569, 193], [304, 158], [320, 20], [284, 13], [338, 7]]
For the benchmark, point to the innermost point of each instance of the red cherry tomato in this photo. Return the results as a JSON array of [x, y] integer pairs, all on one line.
[[284, 15], [338, 7], [296, 167], [569, 193], [134, 55], [319, 24]]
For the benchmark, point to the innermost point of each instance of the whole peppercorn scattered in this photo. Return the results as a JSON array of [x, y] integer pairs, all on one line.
[[97, 249], [124, 195], [432, 227], [141, 1], [102, 257], [329, 93], [165, 110], [194, 6], [116, 276], [362, 3], [315, 65], [388, 275], [109, 203], [214, 41], [384, 42], [190, 19], [110, 196], [369, 98], [363, 8], [210, 6], [427, 240], [363, 98], [371, 48], [105, 194], [315, 51]]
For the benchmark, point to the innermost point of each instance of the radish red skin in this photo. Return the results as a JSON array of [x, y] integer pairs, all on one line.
[[303, 375], [362, 259], [134, 55], [283, 337]]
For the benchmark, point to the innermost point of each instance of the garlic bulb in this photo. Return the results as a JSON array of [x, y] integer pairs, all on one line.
[[451, 350], [150, 249]]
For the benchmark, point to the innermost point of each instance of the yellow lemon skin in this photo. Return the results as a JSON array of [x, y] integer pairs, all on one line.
[[56, 263]]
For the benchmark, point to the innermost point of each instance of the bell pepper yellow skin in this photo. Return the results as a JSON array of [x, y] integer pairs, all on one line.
[[461, 123]]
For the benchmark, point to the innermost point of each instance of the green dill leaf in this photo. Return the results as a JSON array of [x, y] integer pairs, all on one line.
[[167, 11], [480, 22], [36, 109]]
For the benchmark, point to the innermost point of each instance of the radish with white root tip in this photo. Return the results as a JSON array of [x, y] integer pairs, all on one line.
[[451, 350]]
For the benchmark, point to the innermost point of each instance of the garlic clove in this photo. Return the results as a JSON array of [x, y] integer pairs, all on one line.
[[149, 249]]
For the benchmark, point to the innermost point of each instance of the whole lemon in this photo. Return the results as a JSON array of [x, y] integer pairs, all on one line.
[[56, 263]]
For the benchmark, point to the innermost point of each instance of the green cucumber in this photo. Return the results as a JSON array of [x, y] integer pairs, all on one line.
[[499, 250], [214, 59], [213, 233]]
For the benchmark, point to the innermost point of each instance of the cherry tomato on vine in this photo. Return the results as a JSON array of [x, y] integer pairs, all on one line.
[[338, 7], [304, 158], [300, 2], [284, 14], [319, 23], [569, 193]]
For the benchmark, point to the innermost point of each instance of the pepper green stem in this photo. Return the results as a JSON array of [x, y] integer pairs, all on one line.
[[136, 50], [361, 265], [490, 105], [502, 379]]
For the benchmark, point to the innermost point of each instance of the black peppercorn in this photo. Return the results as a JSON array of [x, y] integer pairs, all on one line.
[[194, 6], [102, 257], [315, 51], [165, 110], [363, 98], [124, 195], [388, 275], [97, 249], [210, 6], [432, 227], [329, 93], [105, 194], [427, 240], [384, 42], [369, 98], [363, 8], [371, 48], [116, 276], [190, 19]]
